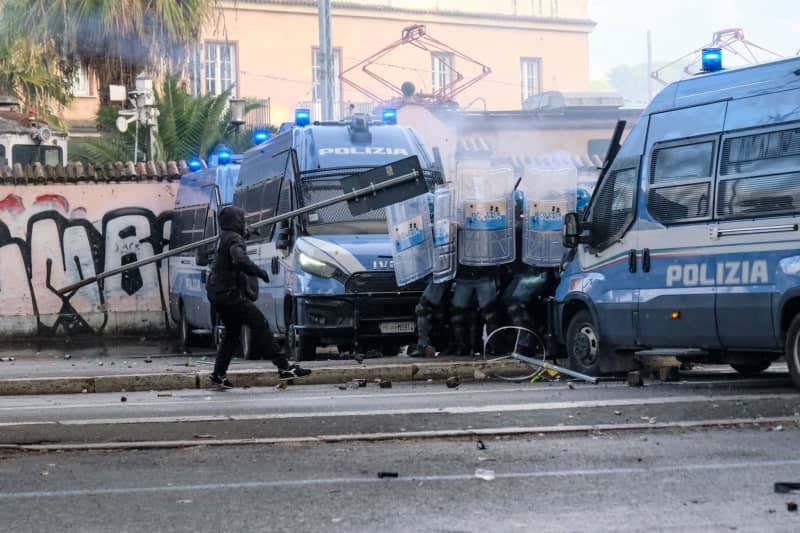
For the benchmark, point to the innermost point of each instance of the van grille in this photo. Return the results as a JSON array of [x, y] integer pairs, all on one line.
[[362, 282]]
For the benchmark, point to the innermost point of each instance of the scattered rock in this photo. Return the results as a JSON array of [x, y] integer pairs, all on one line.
[[669, 373], [570, 386], [361, 382], [148, 360], [635, 379], [452, 382], [486, 458], [123, 398], [479, 375], [385, 384], [181, 501], [481, 445], [791, 507], [353, 385], [84, 391], [388, 474], [777, 428], [342, 387], [67, 356], [618, 413], [164, 394], [281, 385], [99, 363], [358, 358], [204, 436]]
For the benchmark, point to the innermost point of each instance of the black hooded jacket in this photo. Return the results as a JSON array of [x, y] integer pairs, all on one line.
[[231, 261]]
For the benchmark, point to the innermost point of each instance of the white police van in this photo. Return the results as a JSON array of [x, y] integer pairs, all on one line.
[[331, 273], [691, 242], [201, 195]]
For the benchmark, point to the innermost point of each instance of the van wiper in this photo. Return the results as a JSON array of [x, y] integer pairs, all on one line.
[[613, 150]]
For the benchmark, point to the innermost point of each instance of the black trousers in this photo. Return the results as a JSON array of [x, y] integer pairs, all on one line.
[[234, 315]]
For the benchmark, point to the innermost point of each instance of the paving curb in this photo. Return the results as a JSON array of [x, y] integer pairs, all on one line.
[[421, 371]]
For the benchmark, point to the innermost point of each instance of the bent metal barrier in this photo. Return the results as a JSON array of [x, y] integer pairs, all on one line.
[[61, 224]]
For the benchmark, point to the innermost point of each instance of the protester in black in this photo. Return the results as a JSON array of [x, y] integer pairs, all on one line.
[[232, 297]]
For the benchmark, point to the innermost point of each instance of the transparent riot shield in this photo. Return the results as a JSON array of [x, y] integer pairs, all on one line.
[[549, 187], [445, 234], [486, 216], [412, 243]]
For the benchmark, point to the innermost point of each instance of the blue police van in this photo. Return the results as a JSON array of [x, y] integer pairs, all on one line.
[[331, 273], [201, 194], [691, 242]]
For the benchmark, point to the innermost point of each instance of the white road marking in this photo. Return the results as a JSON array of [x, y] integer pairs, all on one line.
[[452, 410], [697, 467]]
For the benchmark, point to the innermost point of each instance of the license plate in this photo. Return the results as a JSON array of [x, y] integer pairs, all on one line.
[[398, 327]]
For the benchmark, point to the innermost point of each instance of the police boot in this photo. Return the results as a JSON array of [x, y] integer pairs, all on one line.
[[476, 324], [424, 312], [518, 314], [459, 340]]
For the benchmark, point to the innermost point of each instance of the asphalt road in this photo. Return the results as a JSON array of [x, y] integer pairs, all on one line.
[[701, 454]]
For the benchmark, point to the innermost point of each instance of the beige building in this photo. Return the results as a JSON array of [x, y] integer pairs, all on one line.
[[267, 49]]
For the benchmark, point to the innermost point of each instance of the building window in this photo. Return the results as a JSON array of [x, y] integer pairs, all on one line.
[[530, 75], [316, 90], [212, 67], [80, 82], [441, 70]]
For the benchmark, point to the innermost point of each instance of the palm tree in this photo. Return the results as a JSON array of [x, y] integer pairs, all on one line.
[[188, 126], [33, 78], [116, 39]]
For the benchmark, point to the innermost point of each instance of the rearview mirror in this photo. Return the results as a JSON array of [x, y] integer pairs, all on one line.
[[283, 236], [571, 231], [203, 256]]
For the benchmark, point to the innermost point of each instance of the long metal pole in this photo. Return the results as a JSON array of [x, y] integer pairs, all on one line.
[[560, 369], [353, 195], [325, 60]]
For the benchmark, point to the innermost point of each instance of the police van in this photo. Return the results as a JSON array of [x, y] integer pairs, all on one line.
[[201, 195], [691, 242], [331, 274]]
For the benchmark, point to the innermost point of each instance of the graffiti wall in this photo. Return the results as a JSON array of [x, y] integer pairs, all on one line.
[[57, 234]]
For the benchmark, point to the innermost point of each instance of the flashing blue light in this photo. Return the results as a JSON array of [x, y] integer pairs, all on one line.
[[224, 155], [260, 136], [712, 59], [390, 116], [195, 164], [302, 117]]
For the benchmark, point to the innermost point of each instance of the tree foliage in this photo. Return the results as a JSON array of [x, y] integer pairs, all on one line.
[[116, 39]]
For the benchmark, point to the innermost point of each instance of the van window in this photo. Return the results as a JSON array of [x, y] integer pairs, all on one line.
[[188, 225], [258, 200], [680, 182], [760, 174], [612, 209], [3, 160]]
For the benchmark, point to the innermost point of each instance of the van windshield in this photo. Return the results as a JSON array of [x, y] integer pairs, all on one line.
[[336, 219]]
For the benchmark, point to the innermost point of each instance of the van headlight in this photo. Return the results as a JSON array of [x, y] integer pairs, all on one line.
[[316, 267]]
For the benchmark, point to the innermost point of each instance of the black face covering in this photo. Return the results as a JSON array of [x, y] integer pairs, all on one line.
[[232, 219]]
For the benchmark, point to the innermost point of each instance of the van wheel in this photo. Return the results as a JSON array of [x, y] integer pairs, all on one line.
[[187, 338], [583, 344], [246, 339], [304, 347], [793, 350], [752, 369]]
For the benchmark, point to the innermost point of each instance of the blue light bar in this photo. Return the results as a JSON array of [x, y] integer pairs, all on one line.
[[195, 164], [712, 59], [224, 155], [302, 117], [390, 116], [260, 136]]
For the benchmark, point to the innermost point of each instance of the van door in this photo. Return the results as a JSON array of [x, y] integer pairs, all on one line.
[[677, 285], [758, 198], [278, 262], [609, 261]]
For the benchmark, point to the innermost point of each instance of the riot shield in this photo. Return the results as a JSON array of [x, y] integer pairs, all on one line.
[[550, 190], [445, 233], [412, 243], [486, 216]]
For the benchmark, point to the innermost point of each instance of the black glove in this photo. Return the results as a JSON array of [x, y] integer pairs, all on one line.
[[264, 276]]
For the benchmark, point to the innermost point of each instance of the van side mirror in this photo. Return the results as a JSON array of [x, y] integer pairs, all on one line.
[[283, 236], [571, 231], [203, 255]]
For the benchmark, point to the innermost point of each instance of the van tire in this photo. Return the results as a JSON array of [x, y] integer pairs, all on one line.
[[304, 347], [583, 344], [187, 338], [793, 350], [753, 368]]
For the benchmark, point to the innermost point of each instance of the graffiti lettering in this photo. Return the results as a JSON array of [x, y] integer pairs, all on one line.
[[46, 246]]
